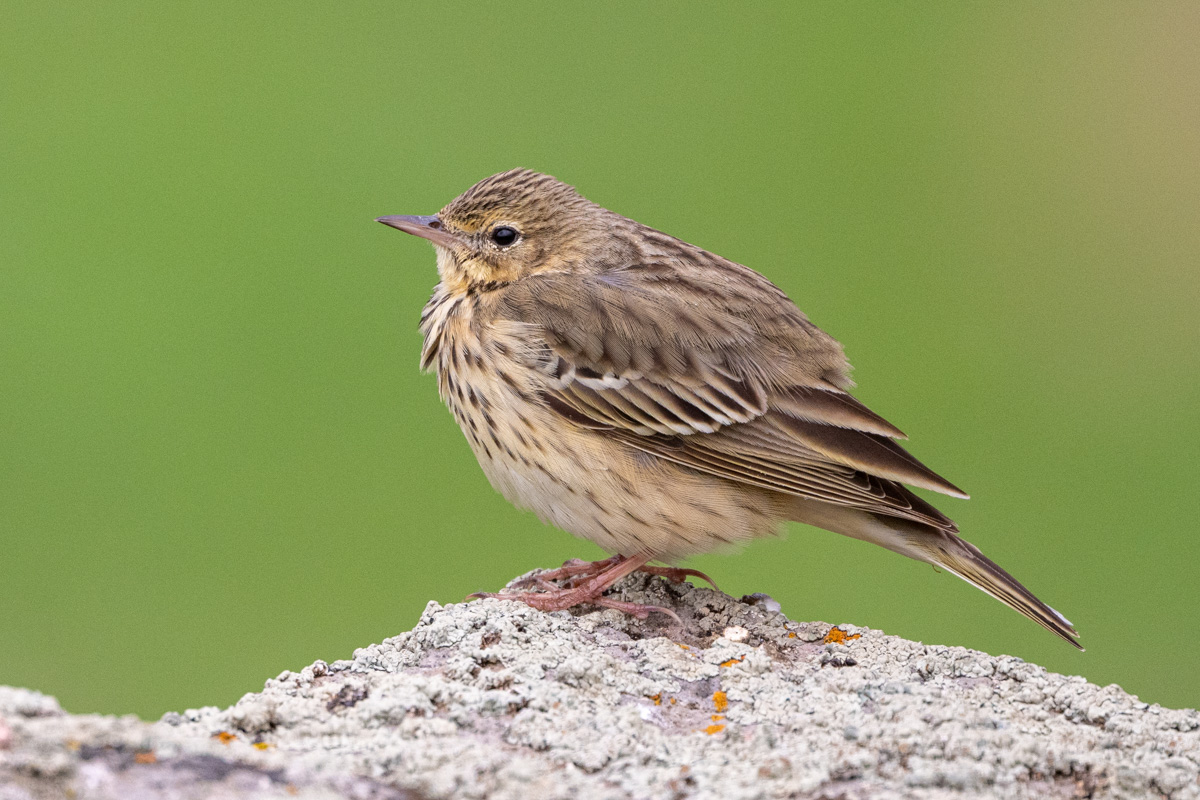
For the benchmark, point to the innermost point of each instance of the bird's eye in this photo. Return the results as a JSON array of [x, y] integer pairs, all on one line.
[[504, 235]]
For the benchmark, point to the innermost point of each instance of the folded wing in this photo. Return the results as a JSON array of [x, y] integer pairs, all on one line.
[[746, 389]]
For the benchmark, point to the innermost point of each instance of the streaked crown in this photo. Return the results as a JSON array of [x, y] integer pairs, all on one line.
[[519, 195]]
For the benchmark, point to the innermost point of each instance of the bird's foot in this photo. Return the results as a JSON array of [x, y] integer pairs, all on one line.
[[575, 570], [572, 572], [587, 582], [679, 575], [555, 599]]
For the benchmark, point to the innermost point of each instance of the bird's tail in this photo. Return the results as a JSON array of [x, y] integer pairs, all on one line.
[[944, 549], [963, 559]]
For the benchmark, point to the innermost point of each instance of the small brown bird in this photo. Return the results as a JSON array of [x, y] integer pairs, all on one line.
[[657, 399]]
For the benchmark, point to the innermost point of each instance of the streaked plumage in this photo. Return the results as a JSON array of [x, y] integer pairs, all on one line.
[[657, 399]]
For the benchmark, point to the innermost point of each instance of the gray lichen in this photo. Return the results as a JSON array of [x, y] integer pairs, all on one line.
[[493, 699]]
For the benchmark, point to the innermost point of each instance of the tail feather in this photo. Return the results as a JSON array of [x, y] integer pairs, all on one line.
[[964, 560], [939, 547]]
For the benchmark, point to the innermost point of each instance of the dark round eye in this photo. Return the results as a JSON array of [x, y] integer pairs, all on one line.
[[504, 235]]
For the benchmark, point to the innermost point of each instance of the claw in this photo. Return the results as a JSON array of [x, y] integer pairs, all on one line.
[[571, 568], [586, 582], [679, 575], [636, 610]]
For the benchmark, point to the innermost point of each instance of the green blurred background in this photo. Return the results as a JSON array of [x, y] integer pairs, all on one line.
[[218, 459]]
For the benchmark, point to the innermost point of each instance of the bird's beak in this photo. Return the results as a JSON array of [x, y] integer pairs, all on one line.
[[426, 227]]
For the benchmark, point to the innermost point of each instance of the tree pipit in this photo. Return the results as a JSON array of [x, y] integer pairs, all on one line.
[[657, 399]]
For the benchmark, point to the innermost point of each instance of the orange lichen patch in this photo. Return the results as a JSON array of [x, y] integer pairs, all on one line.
[[657, 698], [839, 636], [791, 634], [672, 701], [224, 737], [711, 729], [262, 745], [145, 758], [720, 701], [733, 661], [717, 717]]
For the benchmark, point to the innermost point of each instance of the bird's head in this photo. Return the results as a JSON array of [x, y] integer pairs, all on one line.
[[511, 225]]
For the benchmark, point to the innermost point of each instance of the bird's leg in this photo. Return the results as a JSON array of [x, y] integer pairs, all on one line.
[[574, 569], [636, 610], [678, 574], [557, 599], [590, 591]]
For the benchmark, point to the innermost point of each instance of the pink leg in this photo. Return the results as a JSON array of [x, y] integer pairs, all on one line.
[[590, 591], [572, 568], [575, 568], [637, 610], [678, 575]]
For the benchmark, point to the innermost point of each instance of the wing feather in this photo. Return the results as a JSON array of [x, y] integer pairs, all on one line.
[[833, 408], [869, 452], [745, 389]]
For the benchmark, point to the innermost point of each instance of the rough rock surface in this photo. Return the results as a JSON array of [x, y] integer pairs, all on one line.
[[493, 699]]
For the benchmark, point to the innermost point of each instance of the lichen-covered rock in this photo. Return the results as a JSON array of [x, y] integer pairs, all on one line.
[[493, 699]]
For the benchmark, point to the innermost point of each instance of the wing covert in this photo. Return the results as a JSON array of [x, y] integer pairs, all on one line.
[[746, 389]]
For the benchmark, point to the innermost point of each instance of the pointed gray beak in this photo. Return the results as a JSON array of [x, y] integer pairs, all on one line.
[[426, 227]]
